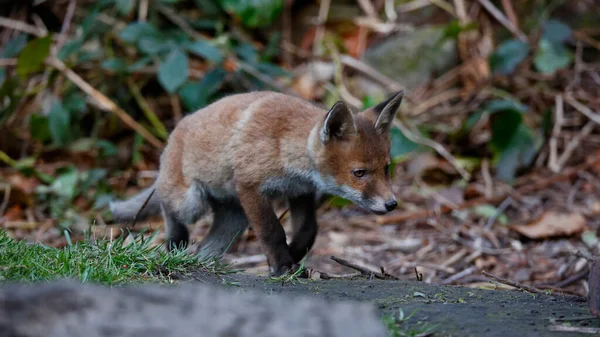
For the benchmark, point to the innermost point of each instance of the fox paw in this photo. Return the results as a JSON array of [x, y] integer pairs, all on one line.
[[289, 270]]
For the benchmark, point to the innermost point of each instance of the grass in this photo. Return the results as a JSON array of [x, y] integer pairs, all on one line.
[[397, 326], [99, 261], [289, 277]]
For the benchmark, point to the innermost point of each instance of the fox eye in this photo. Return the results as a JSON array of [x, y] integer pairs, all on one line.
[[359, 173]]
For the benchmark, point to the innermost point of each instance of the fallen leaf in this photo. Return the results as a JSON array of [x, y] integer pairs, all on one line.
[[552, 224]]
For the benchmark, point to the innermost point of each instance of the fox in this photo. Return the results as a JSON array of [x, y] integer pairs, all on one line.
[[239, 153]]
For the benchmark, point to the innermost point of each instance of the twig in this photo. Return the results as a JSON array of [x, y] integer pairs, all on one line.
[[460, 275], [573, 192], [594, 116], [503, 206], [104, 102], [439, 148], [21, 26], [8, 62], [143, 10], [62, 38], [159, 127], [4, 204], [327, 276], [371, 72], [436, 100], [497, 14], [574, 143], [558, 121], [362, 270], [339, 79], [510, 13], [320, 32], [135, 218], [517, 285], [176, 105], [368, 8], [487, 178]]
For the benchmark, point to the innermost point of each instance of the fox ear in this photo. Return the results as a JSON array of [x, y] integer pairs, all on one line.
[[338, 124], [386, 112]]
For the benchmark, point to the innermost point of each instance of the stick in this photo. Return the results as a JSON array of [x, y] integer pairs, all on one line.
[[513, 284], [327, 276], [320, 33], [526, 189], [364, 271], [558, 122], [4, 204], [104, 102], [439, 148], [135, 218], [497, 14], [594, 116]]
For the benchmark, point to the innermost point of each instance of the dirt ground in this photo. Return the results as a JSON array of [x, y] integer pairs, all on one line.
[[457, 310]]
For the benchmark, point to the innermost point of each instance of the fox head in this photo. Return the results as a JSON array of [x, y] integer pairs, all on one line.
[[352, 154]]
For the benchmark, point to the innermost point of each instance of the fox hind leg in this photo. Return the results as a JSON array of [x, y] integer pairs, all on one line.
[[229, 222], [177, 232]]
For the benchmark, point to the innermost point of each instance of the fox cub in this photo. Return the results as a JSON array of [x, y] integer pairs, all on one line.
[[238, 153]]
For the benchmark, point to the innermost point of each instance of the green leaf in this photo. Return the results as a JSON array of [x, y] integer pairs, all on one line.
[[520, 152], [153, 45], [254, 13], [14, 46], [400, 144], [504, 126], [488, 211], [206, 50], [556, 31], [551, 56], [498, 105], [31, 58], [38, 127], [173, 71], [65, 185], [125, 6], [196, 95], [58, 123], [247, 52], [116, 65], [137, 30], [508, 56]]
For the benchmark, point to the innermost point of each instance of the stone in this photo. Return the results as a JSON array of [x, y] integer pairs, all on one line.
[[411, 57], [65, 308]]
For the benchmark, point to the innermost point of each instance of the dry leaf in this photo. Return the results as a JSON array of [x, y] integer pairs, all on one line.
[[552, 224]]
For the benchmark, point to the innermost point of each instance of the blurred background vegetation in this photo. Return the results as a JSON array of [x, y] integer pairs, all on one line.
[[89, 90]]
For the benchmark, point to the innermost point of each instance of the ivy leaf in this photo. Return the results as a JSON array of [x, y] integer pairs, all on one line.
[[195, 95], [136, 30], [173, 71], [38, 127], [556, 31], [206, 50], [400, 145], [58, 123], [508, 56], [254, 13], [551, 56], [31, 58], [519, 152], [116, 65], [125, 6], [65, 185]]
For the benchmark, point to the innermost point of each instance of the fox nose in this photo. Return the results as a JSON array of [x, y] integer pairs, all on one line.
[[390, 205]]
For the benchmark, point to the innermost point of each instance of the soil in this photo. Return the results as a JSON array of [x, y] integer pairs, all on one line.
[[457, 310]]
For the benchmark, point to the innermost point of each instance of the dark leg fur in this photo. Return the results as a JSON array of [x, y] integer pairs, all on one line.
[[268, 229], [177, 232], [229, 222], [304, 224]]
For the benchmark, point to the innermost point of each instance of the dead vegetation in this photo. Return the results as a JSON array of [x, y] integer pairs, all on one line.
[[496, 156]]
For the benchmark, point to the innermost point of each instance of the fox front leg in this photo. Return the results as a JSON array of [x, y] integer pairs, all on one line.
[[268, 229]]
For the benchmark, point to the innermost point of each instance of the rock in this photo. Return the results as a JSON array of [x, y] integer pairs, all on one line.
[[411, 57], [67, 308]]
